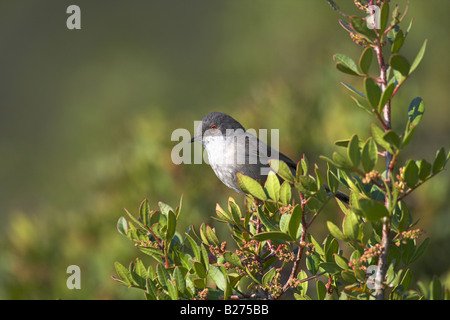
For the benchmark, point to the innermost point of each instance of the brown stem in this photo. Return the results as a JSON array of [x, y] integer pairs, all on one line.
[[382, 260], [300, 250], [166, 255]]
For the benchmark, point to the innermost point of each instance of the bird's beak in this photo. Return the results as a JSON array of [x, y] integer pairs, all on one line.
[[195, 139]]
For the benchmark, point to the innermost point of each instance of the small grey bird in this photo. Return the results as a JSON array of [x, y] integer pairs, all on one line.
[[231, 149]]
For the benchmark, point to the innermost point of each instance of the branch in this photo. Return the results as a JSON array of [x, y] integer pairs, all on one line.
[[299, 253], [336, 8], [382, 260]]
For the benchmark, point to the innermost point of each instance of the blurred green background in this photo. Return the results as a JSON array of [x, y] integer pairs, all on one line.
[[86, 118]]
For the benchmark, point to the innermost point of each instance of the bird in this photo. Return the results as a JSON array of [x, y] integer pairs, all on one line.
[[232, 149]]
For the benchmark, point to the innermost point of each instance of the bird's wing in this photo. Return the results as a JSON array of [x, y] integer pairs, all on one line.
[[257, 151]]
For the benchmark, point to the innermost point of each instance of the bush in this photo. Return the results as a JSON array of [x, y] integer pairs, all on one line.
[[367, 257]]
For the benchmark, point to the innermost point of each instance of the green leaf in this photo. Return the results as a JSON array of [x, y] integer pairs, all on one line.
[[303, 287], [316, 244], [312, 263], [282, 169], [331, 246], [165, 208], [372, 210], [151, 289], [340, 161], [394, 29], [172, 289], [252, 276], [178, 208], [163, 295], [266, 221], [348, 276], [235, 211], [409, 26], [384, 16], [407, 136], [435, 289], [171, 225], [341, 261], [152, 252], [200, 269], [157, 218], [228, 287], [424, 169], [251, 186], [134, 220], [124, 274], [369, 155], [179, 279], [350, 225], [319, 178], [398, 41], [294, 228], [211, 235], [360, 26], [139, 273], [268, 276], [233, 259], [122, 226], [378, 136], [345, 64], [222, 214], [343, 68], [299, 170], [401, 214], [353, 151], [203, 234], [411, 174], [406, 280], [351, 89], [284, 222], [346, 26], [330, 267], [199, 283], [305, 165], [365, 60], [393, 139], [333, 181], [272, 186], [415, 112], [420, 250], [400, 64], [321, 290], [363, 104], [439, 161], [385, 96], [335, 231], [272, 235], [195, 248], [162, 274], [408, 249], [419, 57], [307, 184], [217, 276], [373, 92], [144, 211], [285, 193]]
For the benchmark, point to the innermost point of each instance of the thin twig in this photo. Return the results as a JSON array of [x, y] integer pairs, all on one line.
[[336, 8], [299, 253], [382, 260]]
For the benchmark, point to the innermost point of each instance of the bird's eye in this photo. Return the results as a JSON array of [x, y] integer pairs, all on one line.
[[213, 128]]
